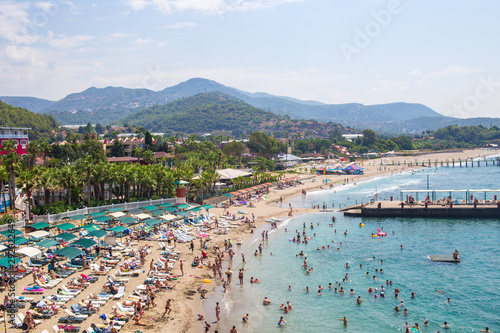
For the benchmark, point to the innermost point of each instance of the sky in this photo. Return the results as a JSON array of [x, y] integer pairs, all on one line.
[[443, 54]]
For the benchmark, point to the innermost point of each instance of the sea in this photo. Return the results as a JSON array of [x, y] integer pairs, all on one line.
[[465, 295]]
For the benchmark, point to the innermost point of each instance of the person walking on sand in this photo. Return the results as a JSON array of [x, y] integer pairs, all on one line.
[[191, 246], [217, 311], [167, 308], [229, 274], [182, 268], [151, 266]]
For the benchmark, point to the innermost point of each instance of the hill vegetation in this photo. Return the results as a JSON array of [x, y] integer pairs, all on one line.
[[42, 125]]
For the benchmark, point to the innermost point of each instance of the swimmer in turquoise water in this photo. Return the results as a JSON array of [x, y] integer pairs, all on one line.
[[358, 300], [446, 325], [344, 320], [281, 322]]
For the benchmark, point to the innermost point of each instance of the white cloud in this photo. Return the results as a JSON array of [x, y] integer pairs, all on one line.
[[15, 25], [143, 41], [62, 41], [205, 6], [120, 35], [22, 56], [46, 6], [179, 25], [137, 4], [452, 71]]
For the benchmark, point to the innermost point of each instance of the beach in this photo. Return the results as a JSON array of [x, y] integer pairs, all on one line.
[[186, 300]]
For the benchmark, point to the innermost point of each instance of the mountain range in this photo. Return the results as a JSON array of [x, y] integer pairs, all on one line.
[[113, 104]]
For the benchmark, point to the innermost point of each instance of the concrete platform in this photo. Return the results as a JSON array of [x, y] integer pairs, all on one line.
[[444, 258]]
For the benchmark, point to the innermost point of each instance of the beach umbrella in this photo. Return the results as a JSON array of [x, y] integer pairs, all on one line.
[[69, 252], [181, 182], [98, 233], [29, 251], [66, 236], [8, 262], [47, 243], [64, 226]]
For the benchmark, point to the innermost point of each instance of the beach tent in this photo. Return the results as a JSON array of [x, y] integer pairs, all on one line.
[[153, 222], [64, 226], [39, 226], [29, 251], [38, 234], [98, 214], [86, 243], [143, 216], [8, 262], [47, 243], [17, 240], [98, 233], [10, 233], [66, 236], [168, 217], [90, 227], [102, 219], [78, 217], [127, 220], [117, 215], [157, 212], [69, 252]]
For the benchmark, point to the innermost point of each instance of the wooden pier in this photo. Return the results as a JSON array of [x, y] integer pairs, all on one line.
[[399, 209], [467, 163]]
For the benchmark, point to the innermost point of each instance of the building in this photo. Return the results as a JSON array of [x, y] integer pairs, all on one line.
[[352, 137], [19, 135], [89, 133]]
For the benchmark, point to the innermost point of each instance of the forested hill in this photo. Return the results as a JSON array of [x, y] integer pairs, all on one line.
[[202, 113], [42, 125]]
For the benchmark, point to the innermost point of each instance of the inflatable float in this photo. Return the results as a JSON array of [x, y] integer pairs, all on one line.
[[380, 233]]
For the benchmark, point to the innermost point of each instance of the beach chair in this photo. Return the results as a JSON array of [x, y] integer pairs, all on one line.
[[117, 280], [70, 291], [33, 290], [76, 315], [21, 317], [122, 308], [45, 285], [17, 322], [65, 328], [121, 293]]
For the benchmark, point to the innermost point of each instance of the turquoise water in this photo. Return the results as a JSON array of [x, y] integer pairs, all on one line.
[[472, 284]]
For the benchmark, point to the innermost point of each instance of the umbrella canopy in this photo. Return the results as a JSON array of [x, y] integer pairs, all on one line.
[[170, 209], [86, 243], [10, 233], [8, 262], [207, 207], [117, 215], [168, 217], [183, 214], [118, 229], [153, 222], [38, 234], [66, 236], [127, 220], [166, 204], [78, 217], [98, 233], [181, 182], [29, 251], [91, 227], [183, 206], [195, 209], [39, 226], [97, 214], [3, 247], [102, 219], [229, 195], [69, 252], [64, 226], [47, 243], [353, 167]]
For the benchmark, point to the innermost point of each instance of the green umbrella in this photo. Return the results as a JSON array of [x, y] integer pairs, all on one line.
[[97, 233], [40, 225], [8, 262], [86, 243], [69, 252], [47, 243], [66, 236], [64, 226]]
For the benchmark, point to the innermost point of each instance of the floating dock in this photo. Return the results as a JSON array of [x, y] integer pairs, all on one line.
[[444, 258], [387, 209]]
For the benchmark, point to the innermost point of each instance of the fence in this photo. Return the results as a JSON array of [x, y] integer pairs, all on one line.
[[17, 226], [84, 211]]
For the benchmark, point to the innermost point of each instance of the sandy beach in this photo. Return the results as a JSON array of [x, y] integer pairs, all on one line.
[[186, 301]]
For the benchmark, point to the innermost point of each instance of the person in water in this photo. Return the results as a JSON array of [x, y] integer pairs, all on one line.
[[281, 321], [344, 320]]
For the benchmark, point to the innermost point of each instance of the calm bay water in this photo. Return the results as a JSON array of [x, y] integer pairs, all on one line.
[[472, 284]]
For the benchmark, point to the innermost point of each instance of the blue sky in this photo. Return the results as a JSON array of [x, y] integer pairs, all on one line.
[[443, 54]]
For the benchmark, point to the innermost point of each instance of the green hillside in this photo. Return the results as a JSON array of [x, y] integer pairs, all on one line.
[[42, 125], [202, 113]]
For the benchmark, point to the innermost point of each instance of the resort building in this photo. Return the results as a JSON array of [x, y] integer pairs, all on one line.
[[20, 137]]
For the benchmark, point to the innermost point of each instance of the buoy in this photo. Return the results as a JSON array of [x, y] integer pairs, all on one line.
[[207, 281]]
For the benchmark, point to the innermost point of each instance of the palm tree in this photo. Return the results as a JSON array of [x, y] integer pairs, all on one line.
[[33, 150], [27, 179], [45, 147], [10, 161], [4, 175], [46, 182], [88, 164], [69, 177]]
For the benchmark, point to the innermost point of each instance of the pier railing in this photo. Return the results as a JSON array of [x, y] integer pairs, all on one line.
[[459, 163]]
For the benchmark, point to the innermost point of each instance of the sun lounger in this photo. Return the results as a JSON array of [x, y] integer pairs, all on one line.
[[21, 317], [71, 291], [65, 328], [121, 293], [33, 290], [124, 309]]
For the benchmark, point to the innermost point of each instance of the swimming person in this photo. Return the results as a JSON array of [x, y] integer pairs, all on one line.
[[266, 301], [344, 320]]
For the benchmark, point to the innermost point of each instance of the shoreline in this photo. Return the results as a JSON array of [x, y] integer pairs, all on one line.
[[268, 209]]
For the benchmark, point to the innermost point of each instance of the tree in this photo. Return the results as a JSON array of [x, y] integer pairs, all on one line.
[[148, 140], [87, 164], [33, 150], [45, 147], [236, 149], [10, 160], [262, 144], [369, 137], [100, 129], [117, 149]]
